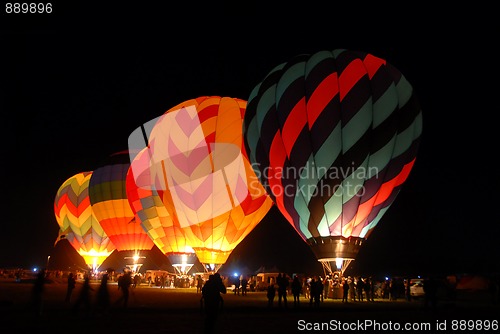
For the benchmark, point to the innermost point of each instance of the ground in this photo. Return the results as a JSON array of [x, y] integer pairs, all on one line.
[[155, 310]]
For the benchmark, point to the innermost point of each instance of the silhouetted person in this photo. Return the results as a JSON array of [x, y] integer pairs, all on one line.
[[271, 293], [103, 298], [283, 283], [367, 288], [296, 289], [407, 289], [84, 297], [37, 293], [70, 287], [199, 283], [316, 290], [360, 288], [244, 283], [124, 283], [430, 292], [345, 290], [212, 299]]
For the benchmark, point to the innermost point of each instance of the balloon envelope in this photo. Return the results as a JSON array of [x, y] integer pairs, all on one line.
[[204, 176], [332, 137], [78, 223], [154, 217], [108, 197]]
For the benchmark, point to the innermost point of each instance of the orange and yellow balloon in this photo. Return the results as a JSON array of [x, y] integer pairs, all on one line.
[[204, 177], [108, 197]]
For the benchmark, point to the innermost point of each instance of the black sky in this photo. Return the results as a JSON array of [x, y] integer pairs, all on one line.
[[76, 83]]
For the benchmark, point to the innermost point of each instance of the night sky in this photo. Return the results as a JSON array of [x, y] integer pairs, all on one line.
[[76, 83]]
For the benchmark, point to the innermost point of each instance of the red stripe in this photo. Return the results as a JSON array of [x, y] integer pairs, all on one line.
[[322, 95], [372, 64], [386, 189], [350, 76], [277, 158], [294, 123]]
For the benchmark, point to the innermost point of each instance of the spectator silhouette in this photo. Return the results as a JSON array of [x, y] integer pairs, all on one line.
[[212, 300], [360, 288], [124, 283], [316, 292], [283, 283], [345, 290], [296, 289], [430, 292], [244, 283], [37, 293], [271, 293], [199, 283], [103, 298], [70, 287], [84, 296]]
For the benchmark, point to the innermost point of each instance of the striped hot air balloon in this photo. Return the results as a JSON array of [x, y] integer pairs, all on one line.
[[78, 223], [333, 136], [204, 176], [108, 197], [154, 217]]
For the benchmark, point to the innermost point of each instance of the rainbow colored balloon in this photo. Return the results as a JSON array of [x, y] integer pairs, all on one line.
[[78, 223]]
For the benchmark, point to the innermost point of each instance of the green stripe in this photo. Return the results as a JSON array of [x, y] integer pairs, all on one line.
[[380, 159], [405, 90], [107, 191], [315, 59], [329, 151], [287, 78], [385, 106], [357, 126], [373, 223]]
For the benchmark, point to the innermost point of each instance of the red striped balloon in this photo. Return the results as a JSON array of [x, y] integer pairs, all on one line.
[[333, 136]]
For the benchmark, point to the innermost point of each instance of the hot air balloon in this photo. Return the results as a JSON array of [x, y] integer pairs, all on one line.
[[108, 197], [333, 136], [153, 216], [78, 223], [201, 171]]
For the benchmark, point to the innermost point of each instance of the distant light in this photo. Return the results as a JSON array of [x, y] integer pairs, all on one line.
[[35, 269], [386, 278], [235, 274]]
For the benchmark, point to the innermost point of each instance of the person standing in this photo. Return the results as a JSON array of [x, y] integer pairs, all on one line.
[[199, 283], [283, 283], [70, 287], [84, 296], [212, 300], [103, 298], [271, 293], [37, 293], [296, 289], [124, 283], [345, 290]]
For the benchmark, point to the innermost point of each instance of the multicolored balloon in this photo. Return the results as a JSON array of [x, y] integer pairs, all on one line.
[[204, 177], [78, 223], [333, 136], [108, 197], [154, 217]]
